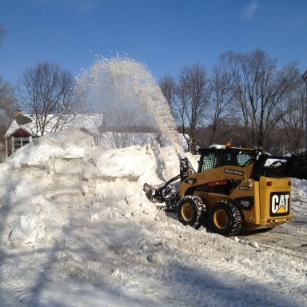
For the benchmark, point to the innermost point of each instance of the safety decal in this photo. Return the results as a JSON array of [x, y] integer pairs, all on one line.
[[246, 203], [233, 171]]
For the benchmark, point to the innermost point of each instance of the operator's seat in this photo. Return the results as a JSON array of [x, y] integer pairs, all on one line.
[[234, 160], [218, 161], [221, 160], [225, 160]]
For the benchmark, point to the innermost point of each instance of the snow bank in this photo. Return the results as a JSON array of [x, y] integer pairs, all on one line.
[[67, 144], [65, 167], [77, 230]]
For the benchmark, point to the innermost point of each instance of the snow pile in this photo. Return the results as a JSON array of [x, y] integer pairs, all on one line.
[[77, 230]]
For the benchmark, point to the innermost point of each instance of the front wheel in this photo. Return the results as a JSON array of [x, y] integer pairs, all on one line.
[[191, 210], [225, 218]]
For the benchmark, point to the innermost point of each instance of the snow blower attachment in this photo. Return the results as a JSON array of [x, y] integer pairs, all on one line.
[[233, 189], [165, 194]]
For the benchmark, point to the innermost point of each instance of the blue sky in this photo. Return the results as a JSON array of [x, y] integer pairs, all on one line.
[[165, 35]]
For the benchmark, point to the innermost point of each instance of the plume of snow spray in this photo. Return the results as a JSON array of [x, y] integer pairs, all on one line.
[[121, 85]]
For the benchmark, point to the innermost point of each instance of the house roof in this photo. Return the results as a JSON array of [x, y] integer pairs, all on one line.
[[90, 122]]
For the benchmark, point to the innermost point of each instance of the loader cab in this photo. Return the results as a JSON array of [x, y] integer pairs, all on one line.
[[262, 163], [216, 157]]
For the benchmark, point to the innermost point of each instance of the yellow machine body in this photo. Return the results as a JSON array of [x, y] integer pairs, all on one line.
[[263, 200]]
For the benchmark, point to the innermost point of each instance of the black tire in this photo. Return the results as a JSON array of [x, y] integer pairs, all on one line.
[[190, 211], [225, 218]]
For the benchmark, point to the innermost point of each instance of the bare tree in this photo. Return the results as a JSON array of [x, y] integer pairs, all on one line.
[[8, 106], [221, 85], [47, 91], [259, 91], [293, 122], [192, 100], [8, 102], [168, 88]]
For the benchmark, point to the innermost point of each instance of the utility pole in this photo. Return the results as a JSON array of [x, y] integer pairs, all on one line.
[[305, 79]]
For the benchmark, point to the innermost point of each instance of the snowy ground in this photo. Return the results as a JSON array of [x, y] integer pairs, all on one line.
[[77, 230]]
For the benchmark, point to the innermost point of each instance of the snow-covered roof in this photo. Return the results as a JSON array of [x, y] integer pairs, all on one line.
[[90, 122]]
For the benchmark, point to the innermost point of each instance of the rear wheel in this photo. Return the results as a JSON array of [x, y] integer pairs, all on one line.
[[191, 209], [225, 218]]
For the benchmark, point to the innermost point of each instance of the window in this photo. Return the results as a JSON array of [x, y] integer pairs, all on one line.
[[208, 162], [19, 142], [243, 157], [222, 157]]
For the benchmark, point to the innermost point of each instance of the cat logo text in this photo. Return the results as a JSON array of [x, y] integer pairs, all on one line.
[[280, 203]]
